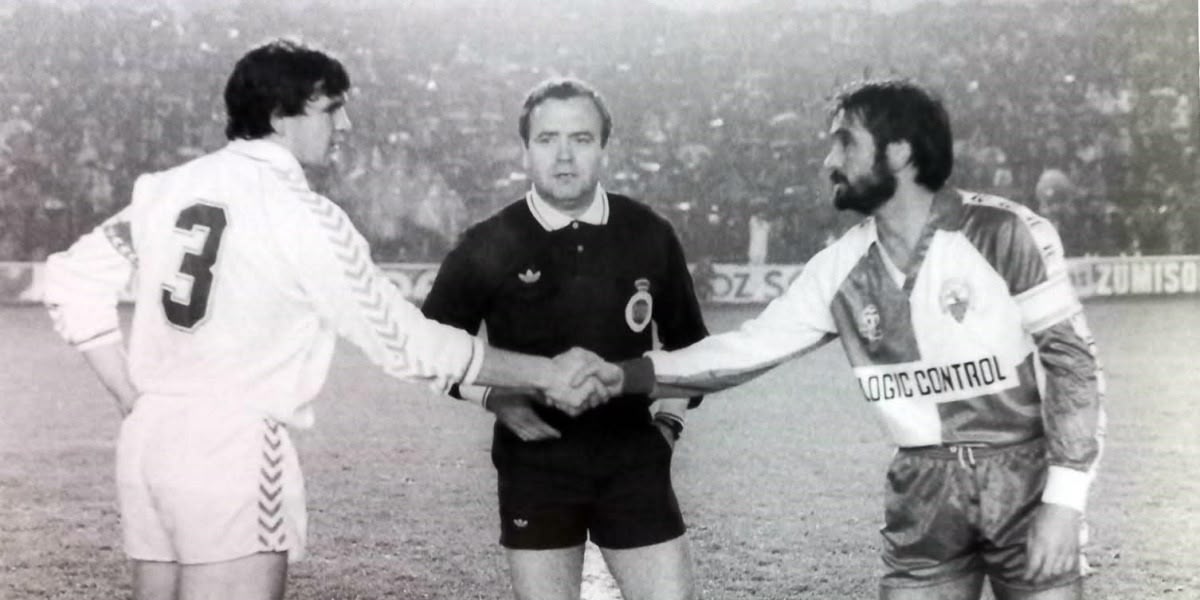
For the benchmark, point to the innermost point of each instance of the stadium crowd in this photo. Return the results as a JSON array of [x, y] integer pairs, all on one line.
[[1085, 111]]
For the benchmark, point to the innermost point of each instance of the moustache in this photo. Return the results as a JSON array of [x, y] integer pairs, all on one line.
[[838, 177]]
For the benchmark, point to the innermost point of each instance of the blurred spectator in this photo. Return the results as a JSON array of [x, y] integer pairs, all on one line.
[[1094, 100], [759, 232]]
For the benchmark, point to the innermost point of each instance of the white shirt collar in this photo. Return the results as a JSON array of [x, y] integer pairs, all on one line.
[[271, 153], [552, 219]]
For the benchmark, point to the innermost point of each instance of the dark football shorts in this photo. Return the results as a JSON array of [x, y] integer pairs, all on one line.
[[615, 485], [952, 513]]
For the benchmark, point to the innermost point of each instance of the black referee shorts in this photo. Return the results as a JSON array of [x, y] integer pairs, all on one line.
[[613, 483]]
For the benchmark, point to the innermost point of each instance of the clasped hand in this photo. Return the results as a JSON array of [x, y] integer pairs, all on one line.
[[581, 381]]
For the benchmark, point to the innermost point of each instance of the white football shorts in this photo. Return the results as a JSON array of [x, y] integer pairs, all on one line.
[[201, 481]]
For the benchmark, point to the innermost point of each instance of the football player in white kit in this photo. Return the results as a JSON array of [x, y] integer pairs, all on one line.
[[244, 279], [959, 321]]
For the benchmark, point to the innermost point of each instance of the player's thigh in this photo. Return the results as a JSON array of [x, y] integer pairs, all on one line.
[[546, 574], [154, 580], [1070, 591], [261, 576], [660, 571], [966, 587]]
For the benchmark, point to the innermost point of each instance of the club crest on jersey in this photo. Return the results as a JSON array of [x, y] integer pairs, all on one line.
[[529, 276], [955, 298], [640, 308], [870, 325]]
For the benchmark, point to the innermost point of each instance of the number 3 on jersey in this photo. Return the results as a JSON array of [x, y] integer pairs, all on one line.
[[202, 225]]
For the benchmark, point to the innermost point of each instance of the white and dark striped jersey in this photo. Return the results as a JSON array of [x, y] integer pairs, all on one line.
[[983, 341], [243, 278]]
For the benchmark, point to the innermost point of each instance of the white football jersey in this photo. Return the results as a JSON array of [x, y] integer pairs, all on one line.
[[947, 353], [243, 278]]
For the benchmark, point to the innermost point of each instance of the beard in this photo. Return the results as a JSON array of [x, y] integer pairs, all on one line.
[[865, 194]]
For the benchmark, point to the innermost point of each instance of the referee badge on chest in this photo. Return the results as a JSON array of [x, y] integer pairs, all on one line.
[[640, 308]]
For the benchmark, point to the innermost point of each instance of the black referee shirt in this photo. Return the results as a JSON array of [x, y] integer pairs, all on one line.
[[595, 286]]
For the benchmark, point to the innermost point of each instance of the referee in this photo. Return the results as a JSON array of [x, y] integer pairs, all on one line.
[[569, 265]]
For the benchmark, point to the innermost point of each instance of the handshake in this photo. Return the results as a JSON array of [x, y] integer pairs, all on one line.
[[581, 380]]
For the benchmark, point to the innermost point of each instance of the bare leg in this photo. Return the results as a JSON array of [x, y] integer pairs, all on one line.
[[965, 588], [657, 572], [261, 576], [1071, 591], [155, 580], [546, 574]]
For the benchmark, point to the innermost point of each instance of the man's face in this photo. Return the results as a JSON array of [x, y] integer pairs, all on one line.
[[314, 135], [860, 182], [564, 156]]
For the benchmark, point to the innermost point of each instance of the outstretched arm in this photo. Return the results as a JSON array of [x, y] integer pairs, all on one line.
[[573, 381], [792, 325]]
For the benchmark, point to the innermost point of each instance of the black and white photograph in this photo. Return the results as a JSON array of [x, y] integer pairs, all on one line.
[[599, 299]]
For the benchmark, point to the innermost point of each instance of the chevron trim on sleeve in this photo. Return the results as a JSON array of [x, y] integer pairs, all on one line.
[[119, 235], [370, 288]]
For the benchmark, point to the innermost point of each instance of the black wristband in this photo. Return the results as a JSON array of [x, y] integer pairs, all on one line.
[[639, 376]]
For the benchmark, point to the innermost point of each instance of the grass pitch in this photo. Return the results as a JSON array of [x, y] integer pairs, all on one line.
[[780, 480]]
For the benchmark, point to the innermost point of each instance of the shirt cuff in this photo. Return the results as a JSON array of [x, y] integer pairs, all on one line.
[[476, 364], [639, 376], [476, 394], [104, 339], [1068, 487]]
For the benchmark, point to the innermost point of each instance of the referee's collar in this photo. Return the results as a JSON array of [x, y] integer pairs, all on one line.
[[552, 219]]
